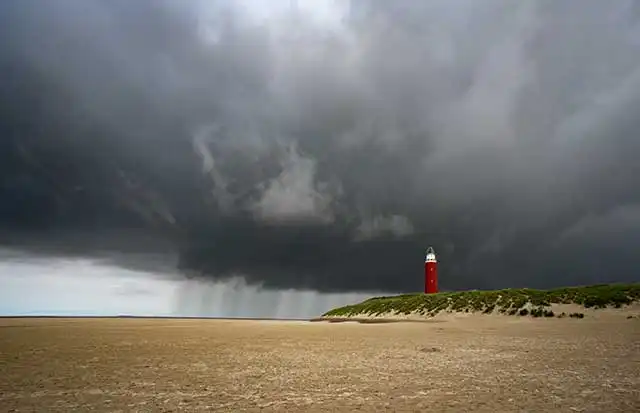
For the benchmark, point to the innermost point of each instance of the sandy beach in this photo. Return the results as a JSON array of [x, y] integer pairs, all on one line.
[[465, 364]]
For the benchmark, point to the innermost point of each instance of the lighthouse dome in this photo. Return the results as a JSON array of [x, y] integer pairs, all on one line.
[[430, 255]]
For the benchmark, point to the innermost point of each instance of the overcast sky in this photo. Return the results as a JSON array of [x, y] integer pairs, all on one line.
[[323, 145]]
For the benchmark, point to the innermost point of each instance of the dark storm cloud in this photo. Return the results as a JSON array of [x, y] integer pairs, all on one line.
[[325, 147]]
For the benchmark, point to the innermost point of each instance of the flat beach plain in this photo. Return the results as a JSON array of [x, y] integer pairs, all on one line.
[[470, 364]]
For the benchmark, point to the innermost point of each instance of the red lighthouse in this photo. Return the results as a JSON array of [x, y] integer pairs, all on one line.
[[430, 272]]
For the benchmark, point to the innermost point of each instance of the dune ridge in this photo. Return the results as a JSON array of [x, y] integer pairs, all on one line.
[[604, 300]]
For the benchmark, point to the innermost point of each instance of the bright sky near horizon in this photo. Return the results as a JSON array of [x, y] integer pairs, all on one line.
[[63, 286]]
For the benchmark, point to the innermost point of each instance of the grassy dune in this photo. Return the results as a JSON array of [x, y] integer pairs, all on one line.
[[522, 302]]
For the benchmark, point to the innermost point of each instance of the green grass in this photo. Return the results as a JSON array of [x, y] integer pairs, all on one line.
[[522, 302]]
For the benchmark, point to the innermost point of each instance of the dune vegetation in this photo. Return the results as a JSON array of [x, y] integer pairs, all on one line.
[[515, 302]]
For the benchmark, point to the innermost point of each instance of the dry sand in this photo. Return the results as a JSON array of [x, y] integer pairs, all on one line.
[[479, 364]]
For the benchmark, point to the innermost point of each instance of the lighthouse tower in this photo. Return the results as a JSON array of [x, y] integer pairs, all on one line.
[[430, 272]]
